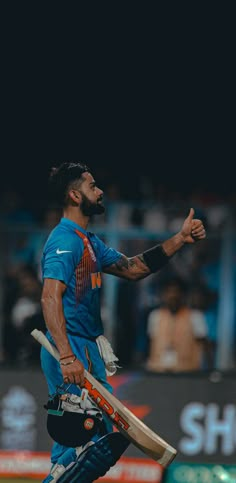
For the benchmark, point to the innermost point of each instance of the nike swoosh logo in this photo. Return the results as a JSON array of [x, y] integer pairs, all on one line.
[[62, 251]]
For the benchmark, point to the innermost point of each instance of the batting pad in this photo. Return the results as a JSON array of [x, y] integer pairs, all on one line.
[[96, 460]]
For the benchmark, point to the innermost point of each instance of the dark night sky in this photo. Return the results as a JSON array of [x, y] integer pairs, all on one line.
[[184, 152], [153, 99]]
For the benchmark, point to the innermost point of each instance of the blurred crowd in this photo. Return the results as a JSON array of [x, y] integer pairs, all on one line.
[[167, 322]]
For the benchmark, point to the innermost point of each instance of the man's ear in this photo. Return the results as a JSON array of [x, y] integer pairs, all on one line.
[[75, 196]]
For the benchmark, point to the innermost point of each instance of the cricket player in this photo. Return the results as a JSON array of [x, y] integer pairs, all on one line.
[[85, 446]]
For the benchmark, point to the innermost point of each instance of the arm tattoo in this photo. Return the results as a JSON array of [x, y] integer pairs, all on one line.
[[134, 268], [125, 262], [141, 258]]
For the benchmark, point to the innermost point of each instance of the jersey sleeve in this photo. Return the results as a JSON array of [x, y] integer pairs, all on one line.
[[108, 255], [61, 257]]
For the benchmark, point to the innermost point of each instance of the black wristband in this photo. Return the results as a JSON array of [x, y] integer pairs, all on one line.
[[155, 258]]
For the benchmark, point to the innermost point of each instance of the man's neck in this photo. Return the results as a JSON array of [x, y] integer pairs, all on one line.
[[76, 216]]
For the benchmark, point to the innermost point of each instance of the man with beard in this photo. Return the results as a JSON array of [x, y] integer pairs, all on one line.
[[85, 446]]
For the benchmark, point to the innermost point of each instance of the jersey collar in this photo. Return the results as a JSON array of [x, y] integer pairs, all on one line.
[[66, 221]]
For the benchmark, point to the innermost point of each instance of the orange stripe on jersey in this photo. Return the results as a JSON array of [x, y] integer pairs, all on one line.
[[99, 280], [86, 268], [94, 280]]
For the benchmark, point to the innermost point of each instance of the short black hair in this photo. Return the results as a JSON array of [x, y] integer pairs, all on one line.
[[62, 176]]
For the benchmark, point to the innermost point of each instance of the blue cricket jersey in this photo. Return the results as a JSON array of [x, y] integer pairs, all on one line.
[[77, 258]]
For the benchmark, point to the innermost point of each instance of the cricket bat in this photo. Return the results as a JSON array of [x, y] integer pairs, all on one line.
[[125, 421]]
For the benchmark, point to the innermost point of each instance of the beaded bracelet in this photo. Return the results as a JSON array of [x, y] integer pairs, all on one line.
[[69, 362]]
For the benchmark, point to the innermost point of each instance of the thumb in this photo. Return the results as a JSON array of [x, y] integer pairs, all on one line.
[[191, 214]]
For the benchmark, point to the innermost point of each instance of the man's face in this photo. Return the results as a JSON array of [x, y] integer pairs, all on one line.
[[91, 197]]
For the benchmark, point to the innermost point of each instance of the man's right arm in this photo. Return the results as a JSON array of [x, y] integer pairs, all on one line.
[[52, 307]]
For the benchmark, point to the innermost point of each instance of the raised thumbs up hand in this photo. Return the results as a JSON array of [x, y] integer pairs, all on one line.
[[191, 214], [192, 229]]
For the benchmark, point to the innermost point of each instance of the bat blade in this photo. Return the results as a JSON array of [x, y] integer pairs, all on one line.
[[126, 422]]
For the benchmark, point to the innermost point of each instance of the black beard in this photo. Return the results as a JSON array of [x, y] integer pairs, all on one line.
[[89, 209]]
